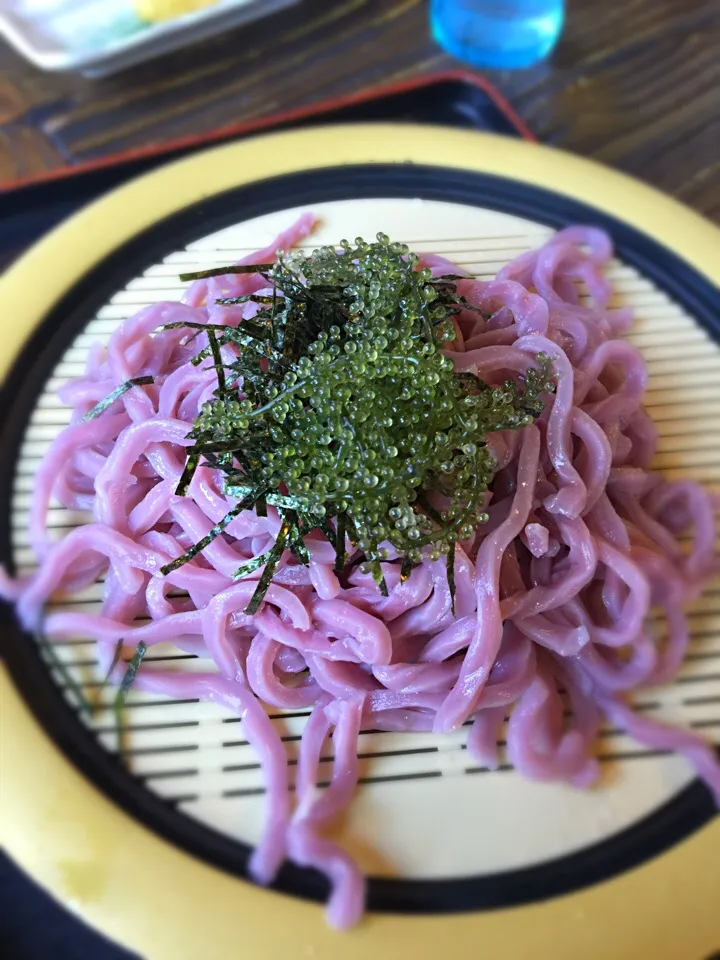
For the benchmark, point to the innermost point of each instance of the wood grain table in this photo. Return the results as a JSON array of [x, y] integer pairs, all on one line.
[[633, 83]]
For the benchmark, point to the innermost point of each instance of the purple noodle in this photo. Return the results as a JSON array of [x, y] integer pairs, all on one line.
[[553, 593]]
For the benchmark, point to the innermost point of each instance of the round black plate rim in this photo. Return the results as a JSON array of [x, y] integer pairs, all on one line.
[[671, 823]]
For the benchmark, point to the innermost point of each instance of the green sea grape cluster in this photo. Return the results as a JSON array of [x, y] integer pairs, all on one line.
[[343, 411]]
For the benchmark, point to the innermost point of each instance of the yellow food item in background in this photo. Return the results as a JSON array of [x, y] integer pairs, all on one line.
[[156, 10]]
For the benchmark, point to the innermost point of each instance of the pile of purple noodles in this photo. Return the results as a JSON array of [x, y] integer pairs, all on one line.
[[552, 594]]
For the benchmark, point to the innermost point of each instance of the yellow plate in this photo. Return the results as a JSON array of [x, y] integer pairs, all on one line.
[[159, 901]]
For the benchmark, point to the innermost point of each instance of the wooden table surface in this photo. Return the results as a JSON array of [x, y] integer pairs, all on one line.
[[633, 83]]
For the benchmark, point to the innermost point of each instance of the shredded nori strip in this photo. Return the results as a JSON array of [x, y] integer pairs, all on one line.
[[224, 271], [208, 539], [217, 363], [130, 673], [295, 539], [340, 555], [102, 405], [126, 683], [191, 325], [248, 298], [191, 465], [250, 566], [451, 574], [406, 569], [269, 571]]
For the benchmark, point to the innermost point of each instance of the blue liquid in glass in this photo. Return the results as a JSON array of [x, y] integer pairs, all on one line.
[[503, 34]]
